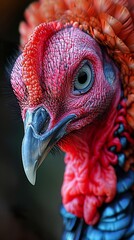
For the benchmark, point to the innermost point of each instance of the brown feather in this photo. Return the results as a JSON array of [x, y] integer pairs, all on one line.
[[113, 22]]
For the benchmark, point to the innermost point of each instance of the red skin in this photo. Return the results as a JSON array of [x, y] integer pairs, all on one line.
[[89, 179]]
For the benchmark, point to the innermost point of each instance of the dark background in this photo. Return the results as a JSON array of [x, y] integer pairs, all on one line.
[[26, 212]]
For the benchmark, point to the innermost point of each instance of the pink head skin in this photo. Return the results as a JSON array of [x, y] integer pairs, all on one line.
[[89, 177]]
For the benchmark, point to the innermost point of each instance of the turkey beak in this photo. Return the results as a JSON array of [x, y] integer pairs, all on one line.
[[38, 140]]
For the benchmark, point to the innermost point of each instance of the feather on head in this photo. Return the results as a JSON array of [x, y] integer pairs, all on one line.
[[110, 22]]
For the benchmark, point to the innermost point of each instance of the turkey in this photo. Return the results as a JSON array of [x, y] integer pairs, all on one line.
[[74, 81]]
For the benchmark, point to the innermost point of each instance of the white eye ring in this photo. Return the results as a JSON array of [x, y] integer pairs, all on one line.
[[83, 80]]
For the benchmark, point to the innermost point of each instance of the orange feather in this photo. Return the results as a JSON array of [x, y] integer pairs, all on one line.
[[110, 22]]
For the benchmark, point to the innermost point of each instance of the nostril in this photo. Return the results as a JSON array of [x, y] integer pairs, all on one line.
[[41, 120]]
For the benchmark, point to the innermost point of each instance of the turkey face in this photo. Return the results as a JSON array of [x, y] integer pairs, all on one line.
[[76, 85], [78, 78]]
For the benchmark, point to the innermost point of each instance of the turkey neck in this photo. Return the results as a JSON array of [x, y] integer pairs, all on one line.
[[90, 178]]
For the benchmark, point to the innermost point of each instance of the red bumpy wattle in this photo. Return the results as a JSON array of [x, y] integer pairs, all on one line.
[[90, 178]]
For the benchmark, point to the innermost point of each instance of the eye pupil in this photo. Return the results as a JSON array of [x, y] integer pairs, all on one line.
[[82, 78]]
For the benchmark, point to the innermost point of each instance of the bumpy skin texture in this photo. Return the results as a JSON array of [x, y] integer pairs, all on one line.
[[110, 22], [90, 179], [79, 190], [101, 136]]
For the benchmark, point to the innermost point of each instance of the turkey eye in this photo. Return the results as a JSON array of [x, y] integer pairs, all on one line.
[[83, 80]]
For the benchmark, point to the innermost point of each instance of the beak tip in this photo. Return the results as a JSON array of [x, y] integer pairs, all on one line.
[[31, 175]]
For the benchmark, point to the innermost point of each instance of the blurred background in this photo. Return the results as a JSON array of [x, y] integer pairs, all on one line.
[[26, 212]]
